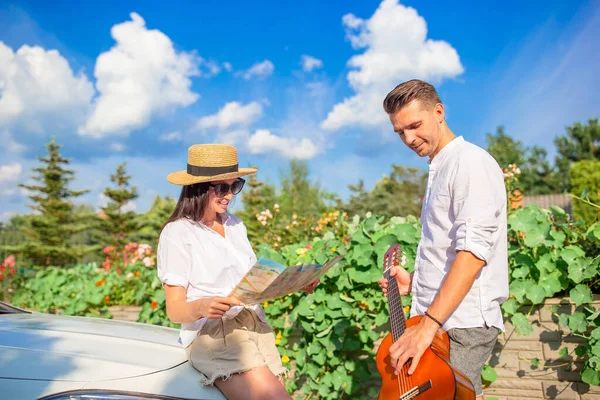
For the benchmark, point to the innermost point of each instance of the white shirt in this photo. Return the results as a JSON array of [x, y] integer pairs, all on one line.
[[464, 208], [206, 264]]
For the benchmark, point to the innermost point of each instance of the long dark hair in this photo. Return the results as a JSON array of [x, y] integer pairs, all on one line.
[[191, 204]]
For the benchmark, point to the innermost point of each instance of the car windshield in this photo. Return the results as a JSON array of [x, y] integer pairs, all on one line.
[[6, 308]]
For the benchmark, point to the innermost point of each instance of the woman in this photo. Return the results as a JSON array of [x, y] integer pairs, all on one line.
[[203, 252]]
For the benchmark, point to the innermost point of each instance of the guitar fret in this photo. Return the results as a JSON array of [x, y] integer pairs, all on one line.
[[396, 310]]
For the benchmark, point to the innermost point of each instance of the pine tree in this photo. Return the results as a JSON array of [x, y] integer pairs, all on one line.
[[117, 223], [299, 195], [151, 222], [53, 225]]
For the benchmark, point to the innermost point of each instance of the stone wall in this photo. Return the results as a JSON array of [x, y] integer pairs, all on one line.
[[555, 377]]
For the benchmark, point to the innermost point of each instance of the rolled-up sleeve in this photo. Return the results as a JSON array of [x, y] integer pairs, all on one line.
[[477, 203], [173, 262]]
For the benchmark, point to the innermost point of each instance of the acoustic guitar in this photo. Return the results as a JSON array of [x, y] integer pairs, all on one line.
[[434, 378]]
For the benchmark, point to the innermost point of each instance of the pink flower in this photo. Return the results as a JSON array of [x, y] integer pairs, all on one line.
[[9, 262], [108, 249], [308, 246], [148, 261]]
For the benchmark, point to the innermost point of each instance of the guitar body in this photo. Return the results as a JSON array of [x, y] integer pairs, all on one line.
[[434, 367]]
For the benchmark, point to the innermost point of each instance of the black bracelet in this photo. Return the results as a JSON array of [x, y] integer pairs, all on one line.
[[438, 322]]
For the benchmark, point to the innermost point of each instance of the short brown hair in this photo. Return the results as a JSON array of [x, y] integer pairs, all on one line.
[[408, 91]]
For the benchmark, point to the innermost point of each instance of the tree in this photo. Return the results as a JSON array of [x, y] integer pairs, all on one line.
[[256, 198], [118, 224], [54, 224], [581, 142], [585, 183], [151, 222], [399, 194], [505, 149], [537, 175], [298, 195]]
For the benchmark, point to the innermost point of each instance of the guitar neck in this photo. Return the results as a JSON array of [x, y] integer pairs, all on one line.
[[397, 316]]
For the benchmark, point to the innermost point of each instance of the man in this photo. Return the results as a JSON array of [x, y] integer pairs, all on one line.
[[461, 268]]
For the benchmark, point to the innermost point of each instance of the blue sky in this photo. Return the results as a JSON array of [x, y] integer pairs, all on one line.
[[142, 81]]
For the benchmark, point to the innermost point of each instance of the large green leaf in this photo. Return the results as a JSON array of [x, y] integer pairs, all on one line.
[[518, 289], [535, 236], [578, 322], [521, 272], [521, 324], [510, 306], [406, 233], [546, 263], [581, 294], [536, 294], [570, 253], [577, 269]]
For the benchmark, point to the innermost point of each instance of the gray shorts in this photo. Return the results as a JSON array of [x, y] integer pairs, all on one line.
[[470, 348]]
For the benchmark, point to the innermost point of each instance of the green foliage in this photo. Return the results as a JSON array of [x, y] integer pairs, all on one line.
[[330, 336], [340, 323], [400, 194], [271, 218], [581, 142], [150, 223], [537, 176], [51, 230], [505, 149], [585, 185], [298, 195], [118, 225], [85, 289], [546, 259], [257, 196]]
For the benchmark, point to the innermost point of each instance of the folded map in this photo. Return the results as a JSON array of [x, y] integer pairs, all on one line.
[[267, 279]]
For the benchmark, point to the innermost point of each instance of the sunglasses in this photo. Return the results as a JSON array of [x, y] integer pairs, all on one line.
[[221, 189]]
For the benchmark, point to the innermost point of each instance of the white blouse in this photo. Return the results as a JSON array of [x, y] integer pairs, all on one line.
[[206, 264], [464, 208]]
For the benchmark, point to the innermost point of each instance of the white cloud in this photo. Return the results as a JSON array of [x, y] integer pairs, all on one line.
[[232, 113], [234, 137], [228, 67], [10, 172], [396, 49], [212, 67], [118, 147], [38, 85], [310, 63], [140, 76], [262, 141], [261, 69], [174, 136]]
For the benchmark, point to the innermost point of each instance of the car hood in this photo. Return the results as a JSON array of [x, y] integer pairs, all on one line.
[[50, 347]]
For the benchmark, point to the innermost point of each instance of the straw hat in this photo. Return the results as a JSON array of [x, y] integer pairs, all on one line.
[[210, 162]]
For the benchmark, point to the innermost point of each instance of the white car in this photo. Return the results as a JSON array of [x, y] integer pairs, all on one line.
[[52, 357]]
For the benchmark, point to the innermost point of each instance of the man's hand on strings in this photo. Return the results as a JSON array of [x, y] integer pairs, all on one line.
[[412, 344]]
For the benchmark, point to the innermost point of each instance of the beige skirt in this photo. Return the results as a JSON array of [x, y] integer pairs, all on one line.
[[226, 347]]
